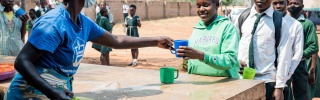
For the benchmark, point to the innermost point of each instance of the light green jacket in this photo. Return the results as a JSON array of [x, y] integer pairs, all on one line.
[[219, 41], [10, 40]]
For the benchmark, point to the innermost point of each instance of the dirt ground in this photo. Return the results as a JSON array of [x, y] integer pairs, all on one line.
[[151, 57]]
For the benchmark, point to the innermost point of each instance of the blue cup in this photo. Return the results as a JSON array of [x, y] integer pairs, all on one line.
[[19, 12], [177, 44]]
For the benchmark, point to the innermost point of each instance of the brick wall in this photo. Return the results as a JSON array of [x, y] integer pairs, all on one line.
[[30, 4], [193, 10], [90, 12], [145, 9], [116, 10], [184, 9], [141, 9], [155, 10], [172, 9]]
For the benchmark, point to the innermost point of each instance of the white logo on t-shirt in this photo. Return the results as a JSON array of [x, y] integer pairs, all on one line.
[[78, 50]]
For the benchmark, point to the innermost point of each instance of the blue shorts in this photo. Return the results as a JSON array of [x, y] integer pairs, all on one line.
[[19, 89]]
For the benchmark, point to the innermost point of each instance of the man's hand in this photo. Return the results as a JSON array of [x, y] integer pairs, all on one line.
[[312, 76], [242, 65], [165, 42], [190, 53], [278, 94], [62, 95], [24, 18]]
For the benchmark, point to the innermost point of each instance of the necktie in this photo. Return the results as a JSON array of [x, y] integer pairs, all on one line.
[[251, 53]]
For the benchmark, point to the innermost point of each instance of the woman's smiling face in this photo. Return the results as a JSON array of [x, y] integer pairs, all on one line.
[[207, 10]]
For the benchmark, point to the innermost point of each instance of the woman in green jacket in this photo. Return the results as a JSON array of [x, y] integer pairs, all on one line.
[[213, 45]]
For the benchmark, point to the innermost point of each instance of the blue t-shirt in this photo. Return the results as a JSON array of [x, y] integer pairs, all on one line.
[[62, 40]]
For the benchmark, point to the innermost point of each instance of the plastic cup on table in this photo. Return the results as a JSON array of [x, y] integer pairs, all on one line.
[[248, 73]]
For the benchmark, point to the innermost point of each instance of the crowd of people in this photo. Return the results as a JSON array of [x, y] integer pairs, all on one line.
[[273, 37]]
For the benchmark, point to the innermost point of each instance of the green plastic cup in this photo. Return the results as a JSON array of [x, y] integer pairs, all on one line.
[[167, 75], [27, 27], [81, 98], [248, 73]]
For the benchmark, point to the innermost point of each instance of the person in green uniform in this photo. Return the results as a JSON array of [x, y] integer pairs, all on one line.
[[32, 14], [105, 24], [313, 64], [102, 5], [300, 85], [101, 49], [42, 9], [213, 44], [132, 22]]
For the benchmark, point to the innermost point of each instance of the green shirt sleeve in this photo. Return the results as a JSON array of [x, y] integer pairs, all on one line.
[[229, 51], [38, 13], [105, 24], [98, 18], [311, 42]]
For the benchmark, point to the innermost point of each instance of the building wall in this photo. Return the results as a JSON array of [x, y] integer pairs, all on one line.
[[150, 10], [172, 9], [184, 9]]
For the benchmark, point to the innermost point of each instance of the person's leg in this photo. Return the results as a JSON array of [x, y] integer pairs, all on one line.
[[135, 57], [107, 58], [136, 51], [300, 82], [103, 59], [132, 56], [287, 92], [103, 55], [269, 90]]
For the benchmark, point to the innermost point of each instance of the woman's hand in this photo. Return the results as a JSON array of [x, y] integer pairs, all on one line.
[[24, 18], [242, 65], [62, 95], [312, 76], [165, 42], [190, 53]]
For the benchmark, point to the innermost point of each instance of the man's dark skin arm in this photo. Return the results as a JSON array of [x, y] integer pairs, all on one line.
[[126, 42], [312, 75], [24, 18], [29, 54], [24, 65]]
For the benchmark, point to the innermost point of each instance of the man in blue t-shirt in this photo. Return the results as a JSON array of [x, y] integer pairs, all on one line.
[[55, 49]]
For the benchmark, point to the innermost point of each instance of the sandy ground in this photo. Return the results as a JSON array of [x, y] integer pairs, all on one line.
[[151, 57]]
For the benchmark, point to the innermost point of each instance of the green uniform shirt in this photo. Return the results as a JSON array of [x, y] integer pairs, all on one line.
[[219, 41], [132, 21], [310, 37], [132, 25], [105, 24], [98, 18]]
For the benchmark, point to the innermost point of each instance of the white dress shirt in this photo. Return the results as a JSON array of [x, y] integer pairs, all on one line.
[[264, 48], [97, 9], [296, 38], [36, 8], [125, 8], [110, 17]]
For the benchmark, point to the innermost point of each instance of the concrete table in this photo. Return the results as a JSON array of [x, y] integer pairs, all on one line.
[[115, 83]]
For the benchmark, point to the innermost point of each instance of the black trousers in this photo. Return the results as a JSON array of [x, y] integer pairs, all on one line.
[[300, 82]]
